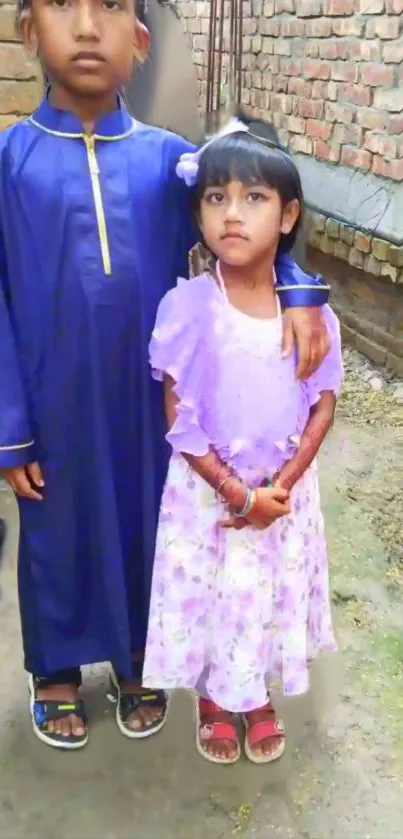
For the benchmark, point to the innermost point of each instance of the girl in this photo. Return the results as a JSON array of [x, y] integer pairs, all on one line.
[[245, 602], [94, 228]]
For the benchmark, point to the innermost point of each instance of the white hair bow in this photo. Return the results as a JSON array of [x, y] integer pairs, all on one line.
[[188, 165]]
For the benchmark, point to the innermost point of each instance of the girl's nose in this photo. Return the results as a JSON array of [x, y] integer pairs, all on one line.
[[233, 211]]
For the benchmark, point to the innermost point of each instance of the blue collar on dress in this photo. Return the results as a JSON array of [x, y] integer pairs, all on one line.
[[114, 126]]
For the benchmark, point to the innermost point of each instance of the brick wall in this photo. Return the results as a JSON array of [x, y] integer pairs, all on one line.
[[330, 72], [19, 86]]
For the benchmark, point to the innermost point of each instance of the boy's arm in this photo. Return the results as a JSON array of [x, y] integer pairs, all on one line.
[[16, 442], [302, 297]]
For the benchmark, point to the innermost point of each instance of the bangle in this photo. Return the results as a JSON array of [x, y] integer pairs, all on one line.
[[222, 483], [250, 502]]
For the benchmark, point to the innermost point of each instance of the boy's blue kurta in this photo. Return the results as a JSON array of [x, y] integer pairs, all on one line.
[[77, 305]]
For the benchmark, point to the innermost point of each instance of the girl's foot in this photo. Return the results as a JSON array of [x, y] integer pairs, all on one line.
[[139, 712], [216, 735], [265, 735], [58, 715]]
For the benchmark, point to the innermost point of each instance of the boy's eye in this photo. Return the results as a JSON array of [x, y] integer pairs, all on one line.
[[112, 5], [61, 4]]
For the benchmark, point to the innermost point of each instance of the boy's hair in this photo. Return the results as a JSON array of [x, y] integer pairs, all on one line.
[[140, 6], [250, 158]]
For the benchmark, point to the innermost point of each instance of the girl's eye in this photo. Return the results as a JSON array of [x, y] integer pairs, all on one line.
[[111, 5], [215, 197], [256, 196], [61, 4]]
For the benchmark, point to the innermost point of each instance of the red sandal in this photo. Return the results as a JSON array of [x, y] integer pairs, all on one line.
[[214, 731], [259, 731]]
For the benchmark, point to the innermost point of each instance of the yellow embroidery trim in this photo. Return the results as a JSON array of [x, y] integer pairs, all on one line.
[[297, 287], [89, 141]]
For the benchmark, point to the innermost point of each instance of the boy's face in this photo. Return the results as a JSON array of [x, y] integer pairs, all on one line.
[[242, 223], [88, 47]]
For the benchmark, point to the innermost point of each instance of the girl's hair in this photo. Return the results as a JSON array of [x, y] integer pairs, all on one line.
[[255, 157]]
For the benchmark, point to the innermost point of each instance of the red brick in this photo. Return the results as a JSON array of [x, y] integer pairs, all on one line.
[[290, 67], [310, 108], [347, 135], [348, 27], [282, 47], [369, 50], [296, 125], [355, 93], [319, 28], [280, 102], [377, 75], [319, 129], [362, 242], [380, 144], [15, 63], [394, 7], [395, 124], [358, 158], [292, 28], [390, 100], [339, 113], [320, 90], [324, 151], [372, 119], [311, 48], [371, 7], [393, 52], [268, 8], [301, 144], [317, 70], [283, 6], [300, 87], [340, 7], [7, 23], [310, 8], [280, 84], [348, 50], [269, 27], [345, 72], [393, 169], [18, 97], [386, 28], [328, 49]]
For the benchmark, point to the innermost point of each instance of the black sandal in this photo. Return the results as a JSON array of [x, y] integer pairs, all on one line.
[[44, 711], [127, 703]]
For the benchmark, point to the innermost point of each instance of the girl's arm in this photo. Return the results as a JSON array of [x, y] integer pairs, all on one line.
[[319, 424], [209, 466], [269, 503]]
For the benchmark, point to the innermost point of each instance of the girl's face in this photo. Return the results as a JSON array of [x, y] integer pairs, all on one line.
[[87, 47], [242, 223]]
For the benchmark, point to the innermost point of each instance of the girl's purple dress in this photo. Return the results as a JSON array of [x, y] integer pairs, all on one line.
[[232, 610]]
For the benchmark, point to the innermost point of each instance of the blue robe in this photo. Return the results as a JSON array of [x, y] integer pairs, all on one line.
[[93, 232]]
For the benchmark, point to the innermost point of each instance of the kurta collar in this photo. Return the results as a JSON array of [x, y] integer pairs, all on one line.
[[113, 126]]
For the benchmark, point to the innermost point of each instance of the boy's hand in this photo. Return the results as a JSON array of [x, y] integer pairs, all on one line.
[[22, 478], [271, 504], [306, 327]]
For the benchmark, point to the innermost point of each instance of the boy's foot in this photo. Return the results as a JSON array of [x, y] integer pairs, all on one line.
[[58, 715], [265, 735], [217, 735], [139, 712]]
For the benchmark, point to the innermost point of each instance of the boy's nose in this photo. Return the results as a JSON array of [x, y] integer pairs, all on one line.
[[233, 211], [86, 25]]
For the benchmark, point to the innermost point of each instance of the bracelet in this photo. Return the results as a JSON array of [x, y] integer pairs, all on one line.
[[222, 483], [249, 504]]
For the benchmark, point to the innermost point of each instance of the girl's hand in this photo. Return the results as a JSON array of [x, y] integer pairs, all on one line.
[[271, 504], [23, 480]]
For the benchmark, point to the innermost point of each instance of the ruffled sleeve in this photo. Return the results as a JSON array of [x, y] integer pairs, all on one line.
[[329, 375], [177, 350]]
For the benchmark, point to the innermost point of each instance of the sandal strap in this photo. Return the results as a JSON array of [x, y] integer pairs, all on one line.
[[130, 702], [264, 730], [49, 710], [208, 708], [219, 731]]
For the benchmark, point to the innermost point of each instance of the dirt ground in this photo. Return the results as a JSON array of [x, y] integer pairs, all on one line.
[[342, 774]]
